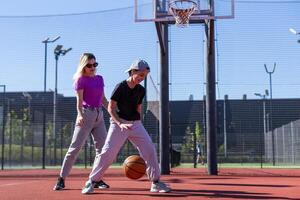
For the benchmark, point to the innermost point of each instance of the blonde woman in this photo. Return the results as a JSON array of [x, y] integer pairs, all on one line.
[[90, 96]]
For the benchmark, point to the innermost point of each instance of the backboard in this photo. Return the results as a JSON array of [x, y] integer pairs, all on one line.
[[158, 11]]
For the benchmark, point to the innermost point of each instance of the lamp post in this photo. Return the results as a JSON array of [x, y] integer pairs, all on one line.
[[46, 41], [3, 126], [263, 97], [58, 51], [271, 110]]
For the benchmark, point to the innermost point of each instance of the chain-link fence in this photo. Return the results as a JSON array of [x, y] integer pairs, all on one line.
[[286, 144], [240, 131]]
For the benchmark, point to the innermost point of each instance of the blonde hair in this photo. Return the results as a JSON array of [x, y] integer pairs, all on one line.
[[84, 59]]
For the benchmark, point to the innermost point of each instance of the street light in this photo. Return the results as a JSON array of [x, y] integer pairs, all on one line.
[[263, 97], [3, 127], [294, 32], [58, 51], [271, 110], [46, 41]]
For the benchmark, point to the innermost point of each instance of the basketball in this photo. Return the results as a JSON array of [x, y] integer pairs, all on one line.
[[134, 167]]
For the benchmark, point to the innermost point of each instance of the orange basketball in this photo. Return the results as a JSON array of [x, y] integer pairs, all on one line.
[[134, 167]]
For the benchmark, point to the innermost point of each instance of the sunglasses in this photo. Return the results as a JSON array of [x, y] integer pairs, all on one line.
[[92, 65]]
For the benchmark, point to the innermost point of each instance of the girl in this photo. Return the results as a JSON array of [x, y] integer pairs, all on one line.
[[90, 99]]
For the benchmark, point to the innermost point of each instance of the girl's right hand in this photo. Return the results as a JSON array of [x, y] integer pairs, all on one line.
[[79, 121], [125, 126]]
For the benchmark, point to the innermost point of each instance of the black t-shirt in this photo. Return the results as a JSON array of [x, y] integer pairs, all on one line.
[[127, 100]]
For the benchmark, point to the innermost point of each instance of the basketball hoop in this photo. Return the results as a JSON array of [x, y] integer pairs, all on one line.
[[182, 10]]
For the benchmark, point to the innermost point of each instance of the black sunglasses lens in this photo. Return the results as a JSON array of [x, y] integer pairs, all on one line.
[[92, 65]]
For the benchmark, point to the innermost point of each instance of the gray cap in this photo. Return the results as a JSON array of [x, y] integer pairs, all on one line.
[[138, 65]]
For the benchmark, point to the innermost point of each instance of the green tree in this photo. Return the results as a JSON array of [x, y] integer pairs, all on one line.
[[190, 136], [199, 134], [66, 132], [13, 128], [26, 127]]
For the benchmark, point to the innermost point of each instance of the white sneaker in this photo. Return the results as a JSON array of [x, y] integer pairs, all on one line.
[[159, 187], [88, 188]]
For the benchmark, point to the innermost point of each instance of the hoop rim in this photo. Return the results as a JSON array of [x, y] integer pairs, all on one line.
[[172, 3]]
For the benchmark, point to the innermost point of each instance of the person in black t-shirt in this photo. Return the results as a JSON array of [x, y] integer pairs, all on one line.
[[125, 109]]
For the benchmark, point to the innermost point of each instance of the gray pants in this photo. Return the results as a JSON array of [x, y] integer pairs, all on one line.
[[115, 139], [94, 124]]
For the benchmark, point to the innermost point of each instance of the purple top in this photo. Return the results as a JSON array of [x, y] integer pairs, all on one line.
[[93, 89]]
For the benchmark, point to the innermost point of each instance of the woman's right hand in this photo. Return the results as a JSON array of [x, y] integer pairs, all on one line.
[[124, 126], [79, 120]]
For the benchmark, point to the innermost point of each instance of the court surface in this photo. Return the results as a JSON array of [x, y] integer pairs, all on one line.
[[187, 183]]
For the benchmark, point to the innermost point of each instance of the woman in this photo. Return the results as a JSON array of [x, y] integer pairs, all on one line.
[[125, 110], [90, 99]]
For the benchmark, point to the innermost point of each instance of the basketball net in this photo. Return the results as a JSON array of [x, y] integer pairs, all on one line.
[[182, 10]]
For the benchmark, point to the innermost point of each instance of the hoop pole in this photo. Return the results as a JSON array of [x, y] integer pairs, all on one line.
[[211, 97], [164, 142]]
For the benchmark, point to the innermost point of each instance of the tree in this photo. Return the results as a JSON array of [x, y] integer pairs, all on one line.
[[187, 145], [189, 140], [199, 135]]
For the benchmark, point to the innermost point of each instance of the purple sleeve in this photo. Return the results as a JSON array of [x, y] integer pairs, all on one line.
[[79, 85], [102, 80]]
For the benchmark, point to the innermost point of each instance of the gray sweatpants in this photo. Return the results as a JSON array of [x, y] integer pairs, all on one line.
[[115, 139], [94, 124]]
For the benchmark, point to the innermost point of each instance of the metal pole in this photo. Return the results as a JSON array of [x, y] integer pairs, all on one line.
[[225, 126], [265, 130], [3, 127], [46, 41], [204, 124], [293, 142], [45, 68], [211, 99], [54, 108], [264, 110], [271, 111], [164, 107], [10, 134], [57, 52], [145, 101], [264, 133], [263, 97], [22, 141], [44, 107]]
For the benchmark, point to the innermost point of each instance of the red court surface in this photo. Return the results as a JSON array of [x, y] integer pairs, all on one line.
[[186, 184]]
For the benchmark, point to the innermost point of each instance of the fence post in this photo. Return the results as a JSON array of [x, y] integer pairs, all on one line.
[[293, 144]]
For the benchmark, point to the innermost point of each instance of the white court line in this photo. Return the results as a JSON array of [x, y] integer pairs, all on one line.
[[19, 183]]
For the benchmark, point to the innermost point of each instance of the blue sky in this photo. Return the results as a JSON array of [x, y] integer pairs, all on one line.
[[258, 35]]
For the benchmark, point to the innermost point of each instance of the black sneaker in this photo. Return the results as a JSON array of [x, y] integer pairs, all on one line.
[[101, 185], [60, 184]]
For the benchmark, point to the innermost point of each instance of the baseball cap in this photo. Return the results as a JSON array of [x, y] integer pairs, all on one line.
[[139, 65]]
